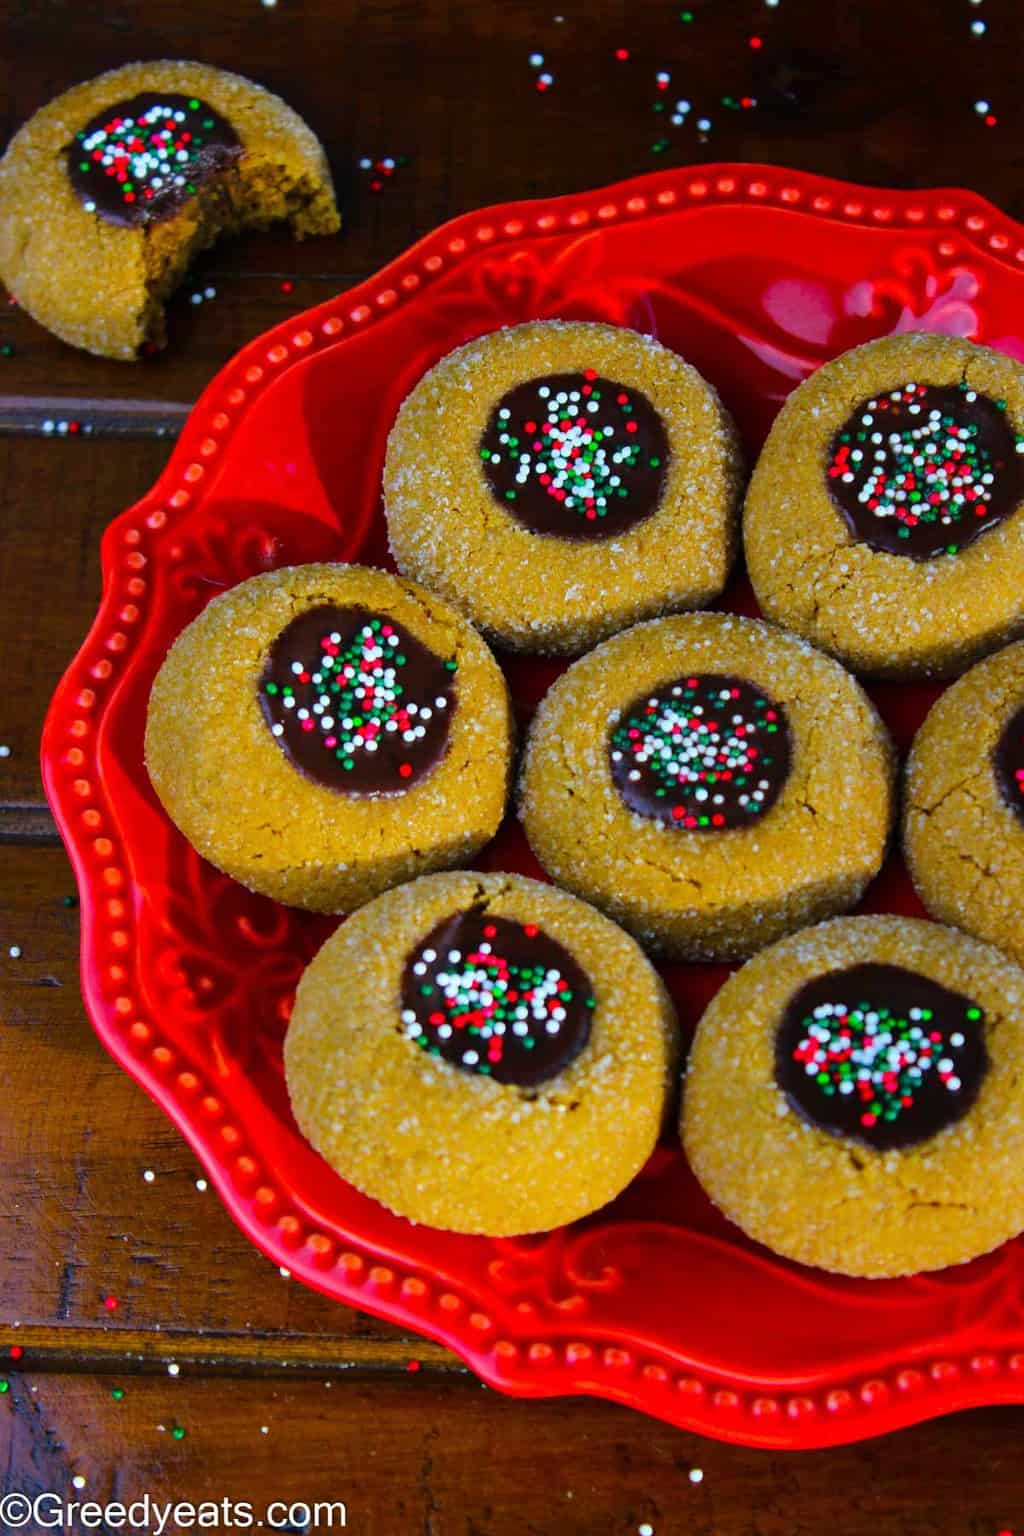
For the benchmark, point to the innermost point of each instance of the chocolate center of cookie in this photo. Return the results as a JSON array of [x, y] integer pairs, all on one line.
[[356, 702], [497, 997], [705, 753], [574, 455], [924, 469], [142, 159], [1008, 761], [880, 1054]]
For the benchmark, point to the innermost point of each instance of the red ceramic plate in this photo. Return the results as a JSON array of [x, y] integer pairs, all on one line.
[[756, 275]]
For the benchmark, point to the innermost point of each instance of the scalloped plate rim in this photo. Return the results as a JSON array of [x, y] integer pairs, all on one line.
[[859, 1420]]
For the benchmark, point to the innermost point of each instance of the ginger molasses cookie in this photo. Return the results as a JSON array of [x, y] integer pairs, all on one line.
[[854, 1097], [963, 819], [883, 521], [325, 731], [482, 1053], [110, 190], [709, 781], [559, 480]]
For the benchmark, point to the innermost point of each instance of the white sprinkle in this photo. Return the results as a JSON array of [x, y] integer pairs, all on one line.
[[15, 951], [645, 1530], [78, 1481], [149, 1175], [536, 60], [173, 1370], [5, 750], [978, 28], [264, 1429], [981, 107], [285, 1274], [696, 1475], [269, 4], [202, 1186]]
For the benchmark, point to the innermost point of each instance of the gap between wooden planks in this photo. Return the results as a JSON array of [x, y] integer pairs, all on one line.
[[149, 1351]]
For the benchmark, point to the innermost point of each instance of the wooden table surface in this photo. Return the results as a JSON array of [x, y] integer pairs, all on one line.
[[278, 1392]]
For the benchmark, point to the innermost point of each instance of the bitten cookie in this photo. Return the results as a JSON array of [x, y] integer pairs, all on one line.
[[482, 1053], [710, 782], [855, 1100], [325, 731], [110, 190], [883, 520], [559, 480], [963, 826]]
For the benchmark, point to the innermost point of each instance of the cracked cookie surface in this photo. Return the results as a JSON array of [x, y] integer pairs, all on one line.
[[76, 249], [963, 836], [462, 1149], [609, 491], [693, 881], [221, 750], [826, 1197], [946, 601]]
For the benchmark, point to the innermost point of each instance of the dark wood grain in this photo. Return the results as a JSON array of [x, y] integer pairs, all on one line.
[[874, 93], [877, 93], [80, 1221], [58, 495], [450, 1458]]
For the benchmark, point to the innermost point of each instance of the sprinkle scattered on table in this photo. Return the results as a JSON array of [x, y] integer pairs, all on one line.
[[381, 169]]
